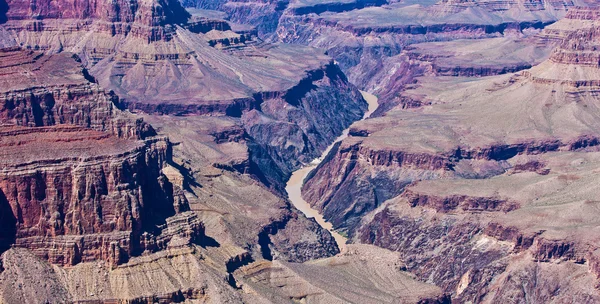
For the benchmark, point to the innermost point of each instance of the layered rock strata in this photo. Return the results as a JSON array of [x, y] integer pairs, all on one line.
[[495, 173], [64, 198], [40, 90], [288, 113], [366, 274]]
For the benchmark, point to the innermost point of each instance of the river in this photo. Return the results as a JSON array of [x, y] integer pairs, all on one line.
[[294, 185]]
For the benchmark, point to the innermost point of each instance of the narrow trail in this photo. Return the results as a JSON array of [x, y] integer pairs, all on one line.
[[294, 185]]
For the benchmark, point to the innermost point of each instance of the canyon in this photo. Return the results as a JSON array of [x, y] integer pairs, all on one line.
[[302, 151]]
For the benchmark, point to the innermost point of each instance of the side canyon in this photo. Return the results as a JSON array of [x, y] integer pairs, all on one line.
[[301, 151]]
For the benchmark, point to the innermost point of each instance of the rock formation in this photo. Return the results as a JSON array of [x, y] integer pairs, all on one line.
[[494, 173], [86, 184], [164, 64], [365, 274], [65, 200], [144, 150]]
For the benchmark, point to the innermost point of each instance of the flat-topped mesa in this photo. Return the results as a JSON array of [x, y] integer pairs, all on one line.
[[38, 90], [75, 195], [145, 19]]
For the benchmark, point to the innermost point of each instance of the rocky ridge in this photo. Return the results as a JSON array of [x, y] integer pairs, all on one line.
[[52, 180], [485, 171], [200, 205], [504, 198], [178, 73]]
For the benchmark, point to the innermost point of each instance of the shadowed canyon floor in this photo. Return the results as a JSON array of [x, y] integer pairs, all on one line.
[[233, 151]]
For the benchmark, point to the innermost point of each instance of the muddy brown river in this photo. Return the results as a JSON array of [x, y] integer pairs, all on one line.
[[294, 185]]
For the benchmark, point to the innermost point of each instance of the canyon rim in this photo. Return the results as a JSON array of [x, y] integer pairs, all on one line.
[[299, 151]]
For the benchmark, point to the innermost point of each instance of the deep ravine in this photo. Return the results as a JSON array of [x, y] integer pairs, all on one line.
[[294, 184]]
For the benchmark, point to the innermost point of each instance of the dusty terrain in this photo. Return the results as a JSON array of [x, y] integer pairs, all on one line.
[[144, 154], [490, 166], [215, 151]]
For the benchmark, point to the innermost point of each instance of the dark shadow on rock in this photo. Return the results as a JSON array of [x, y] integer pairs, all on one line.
[[8, 224], [207, 241], [3, 11]]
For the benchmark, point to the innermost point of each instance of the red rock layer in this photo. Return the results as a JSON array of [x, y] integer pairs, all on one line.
[[139, 18], [583, 13], [38, 90], [77, 183], [465, 203], [72, 202]]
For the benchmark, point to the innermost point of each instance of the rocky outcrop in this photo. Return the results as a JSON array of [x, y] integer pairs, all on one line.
[[145, 20], [291, 115], [190, 280], [56, 89], [70, 207], [478, 71], [579, 49], [354, 36], [426, 243], [292, 246], [346, 170], [529, 5], [484, 256], [465, 203], [371, 274], [229, 193], [116, 209], [65, 199], [263, 14], [296, 127], [577, 18], [484, 173], [583, 13]]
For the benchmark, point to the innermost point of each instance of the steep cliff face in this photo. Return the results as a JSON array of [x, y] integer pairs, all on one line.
[[81, 191], [144, 19], [100, 209], [580, 17], [65, 200], [71, 207], [227, 192], [483, 172], [489, 265], [286, 103], [294, 128], [151, 13], [28, 279], [291, 114], [262, 14], [56, 90]]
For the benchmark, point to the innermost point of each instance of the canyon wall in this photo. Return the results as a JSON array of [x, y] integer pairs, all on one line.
[[65, 200], [477, 171]]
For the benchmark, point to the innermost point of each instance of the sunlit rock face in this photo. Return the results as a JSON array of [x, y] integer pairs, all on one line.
[[496, 172]]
